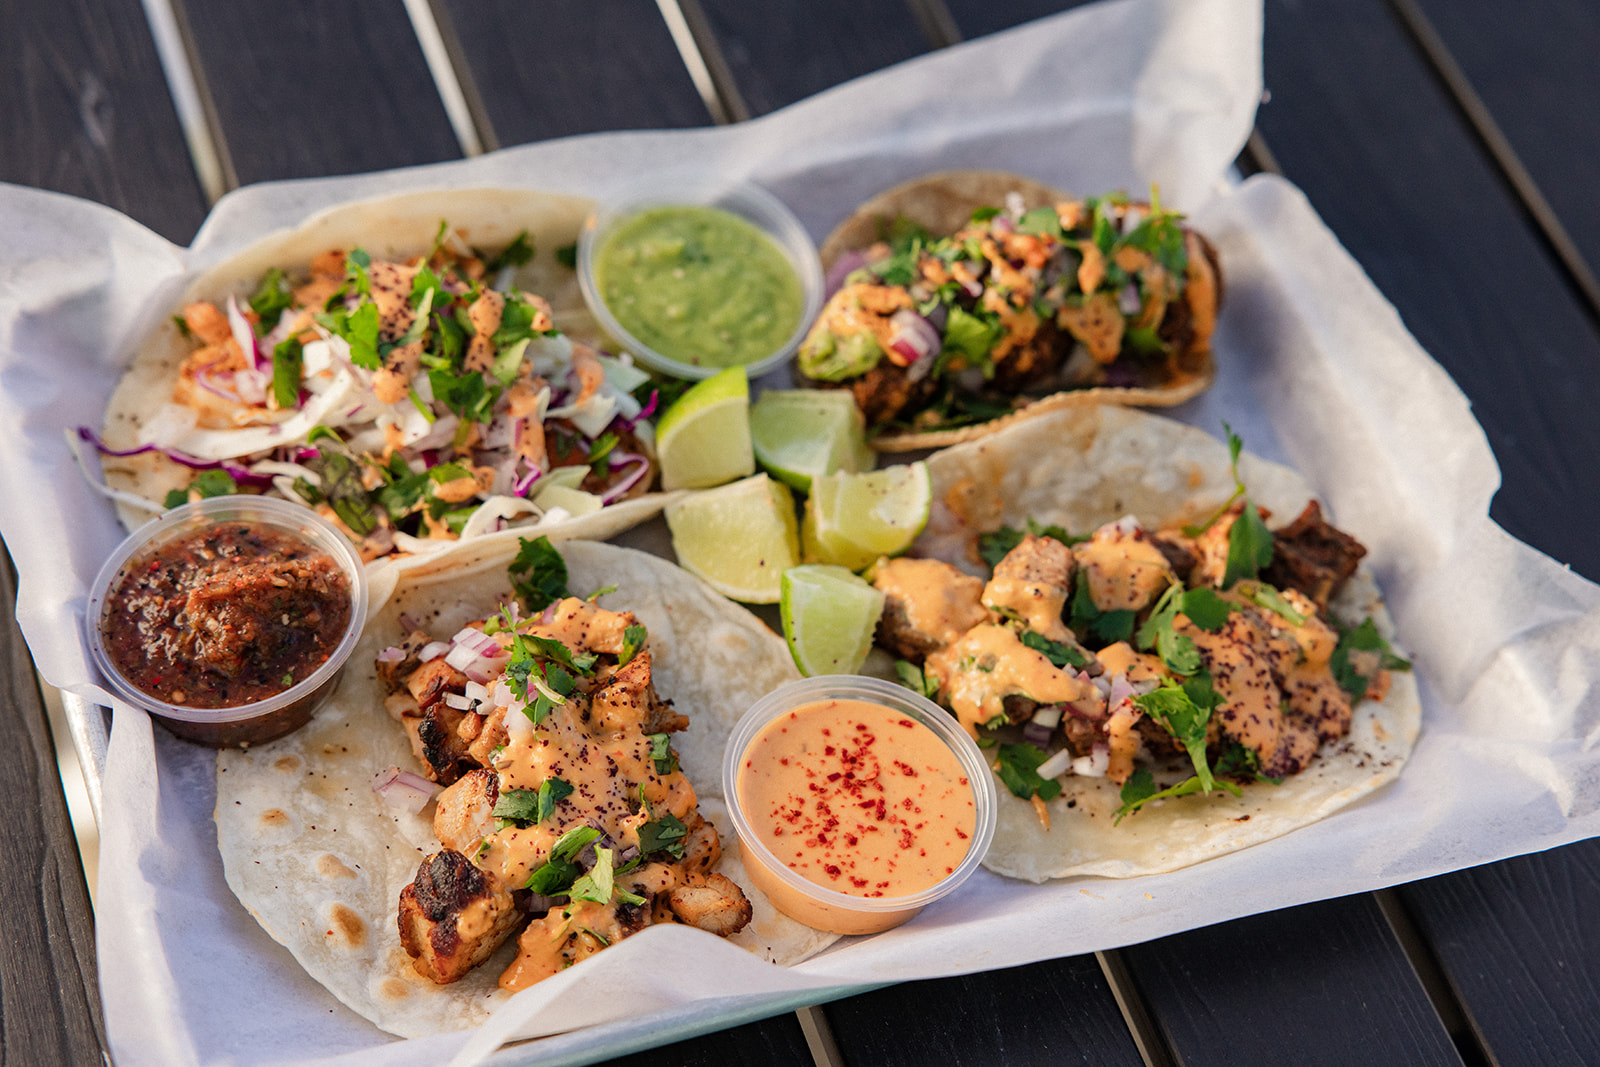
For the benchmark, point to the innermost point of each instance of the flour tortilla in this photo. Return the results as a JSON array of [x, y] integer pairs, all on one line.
[[943, 203], [320, 860], [389, 228], [1081, 468]]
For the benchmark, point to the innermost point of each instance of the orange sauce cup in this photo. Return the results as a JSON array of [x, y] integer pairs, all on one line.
[[856, 801]]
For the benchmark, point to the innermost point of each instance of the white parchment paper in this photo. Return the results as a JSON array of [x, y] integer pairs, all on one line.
[[1315, 369]]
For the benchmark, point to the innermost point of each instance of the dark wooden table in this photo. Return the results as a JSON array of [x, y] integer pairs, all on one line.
[[1451, 145]]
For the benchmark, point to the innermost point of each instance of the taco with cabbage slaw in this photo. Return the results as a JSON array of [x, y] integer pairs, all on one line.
[[405, 367]]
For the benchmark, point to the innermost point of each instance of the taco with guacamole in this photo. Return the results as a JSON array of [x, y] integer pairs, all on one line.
[[508, 779], [401, 366], [965, 300], [1168, 651]]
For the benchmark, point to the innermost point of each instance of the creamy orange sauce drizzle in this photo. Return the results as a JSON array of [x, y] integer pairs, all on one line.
[[989, 663], [858, 798]]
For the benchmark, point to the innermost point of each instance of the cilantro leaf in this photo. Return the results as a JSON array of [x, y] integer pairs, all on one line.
[[1266, 596], [524, 807], [1019, 770], [567, 256], [538, 574], [559, 872], [1108, 626], [206, 484], [599, 885], [1249, 546], [661, 753], [515, 254], [916, 679], [994, 547], [1185, 711], [1205, 609], [271, 297], [1140, 789], [1364, 640], [516, 322], [633, 639], [1061, 655], [666, 834], [972, 336], [287, 368], [1041, 220]]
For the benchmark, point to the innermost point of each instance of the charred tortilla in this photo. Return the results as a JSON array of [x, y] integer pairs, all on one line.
[[1079, 469], [319, 860], [943, 204]]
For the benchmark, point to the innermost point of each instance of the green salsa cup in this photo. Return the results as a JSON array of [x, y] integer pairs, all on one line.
[[695, 275]]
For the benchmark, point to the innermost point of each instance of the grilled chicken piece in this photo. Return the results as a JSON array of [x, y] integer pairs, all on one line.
[[431, 681], [463, 814], [701, 846], [453, 917], [626, 698], [927, 604], [438, 743], [713, 903], [1031, 584], [1125, 569]]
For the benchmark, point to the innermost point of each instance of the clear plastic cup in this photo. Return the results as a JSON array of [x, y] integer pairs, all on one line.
[[808, 901], [260, 720], [750, 203]]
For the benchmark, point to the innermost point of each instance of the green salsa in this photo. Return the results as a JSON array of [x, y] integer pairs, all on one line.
[[700, 285]]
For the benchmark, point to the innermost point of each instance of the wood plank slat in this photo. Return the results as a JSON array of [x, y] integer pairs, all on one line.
[[49, 998], [1054, 1012], [1357, 120], [785, 50], [88, 112], [1518, 941], [1532, 68], [308, 88], [1323, 983], [778, 1042], [565, 67]]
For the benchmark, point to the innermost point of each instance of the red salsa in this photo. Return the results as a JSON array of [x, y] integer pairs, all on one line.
[[226, 616]]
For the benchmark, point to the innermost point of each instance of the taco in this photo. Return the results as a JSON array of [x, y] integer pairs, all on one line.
[[316, 850], [967, 300], [401, 366], [1163, 676]]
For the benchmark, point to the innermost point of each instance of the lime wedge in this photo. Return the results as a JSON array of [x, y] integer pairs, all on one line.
[[852, 519], [740, 538], [829, 617], [704, 439], [800, 434]]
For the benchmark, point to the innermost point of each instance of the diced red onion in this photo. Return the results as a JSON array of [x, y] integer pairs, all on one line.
[[404, 790], [631, 479], [1095, 764], [433, 650], [1128, 301], [913, 338], [1121, 690], [392, 654], [477, 693], [459, 701], [842, 268], [525, 483], [1056, 765], [242, 334], [1036, 735], [548, 615], [1048, 716]]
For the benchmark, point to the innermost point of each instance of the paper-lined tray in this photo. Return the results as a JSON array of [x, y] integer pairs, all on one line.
[[1315, 369]]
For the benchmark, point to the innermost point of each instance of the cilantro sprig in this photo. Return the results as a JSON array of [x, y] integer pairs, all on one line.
[[1249, 540], [1019, 770], [525, 807], [1366, 639], [538, 574]]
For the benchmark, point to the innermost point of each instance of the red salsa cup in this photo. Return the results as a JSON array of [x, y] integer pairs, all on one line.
[[229, 619]]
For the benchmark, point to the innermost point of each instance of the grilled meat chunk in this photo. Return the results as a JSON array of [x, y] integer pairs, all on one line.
[[463, 813], [1313, 556], [927, 604], [713, 903], [1031, 584], [453, 917]]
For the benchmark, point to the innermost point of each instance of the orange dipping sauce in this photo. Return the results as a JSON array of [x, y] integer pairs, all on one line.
[[857, 798]]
